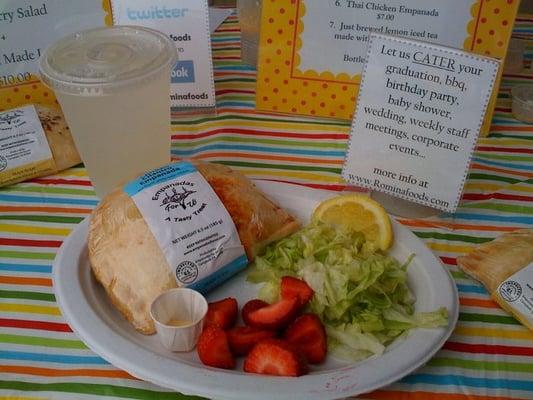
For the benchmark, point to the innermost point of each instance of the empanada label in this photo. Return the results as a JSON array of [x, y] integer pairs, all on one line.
[[191, 225], [24, 149], [517, 292]]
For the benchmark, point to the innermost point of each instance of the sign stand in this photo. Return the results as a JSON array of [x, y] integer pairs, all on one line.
[[403, 208]]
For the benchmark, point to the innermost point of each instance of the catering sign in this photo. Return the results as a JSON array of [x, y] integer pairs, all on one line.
[[418, 117], [312, 52]]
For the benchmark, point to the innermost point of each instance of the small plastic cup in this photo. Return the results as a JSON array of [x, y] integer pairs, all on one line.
[[113, 85], [178, 315], [523, 103], [514, 60]]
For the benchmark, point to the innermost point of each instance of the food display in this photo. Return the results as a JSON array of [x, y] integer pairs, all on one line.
[[127, 260], [277, 339], [59, 137], [331, 286], [20, 157], [505, 266]]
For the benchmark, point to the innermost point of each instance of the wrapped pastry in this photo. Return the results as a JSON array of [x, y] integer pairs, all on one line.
[[183, 224], [505, 267], [34, 141]]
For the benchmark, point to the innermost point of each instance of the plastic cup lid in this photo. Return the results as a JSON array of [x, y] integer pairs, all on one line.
[[102, 60]]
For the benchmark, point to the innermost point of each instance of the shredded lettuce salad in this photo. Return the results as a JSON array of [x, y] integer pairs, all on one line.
[[361, 293]]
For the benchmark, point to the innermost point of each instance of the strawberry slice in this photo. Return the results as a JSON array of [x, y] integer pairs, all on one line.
[[242, 339], [308, 335], [250, 306], [222, 313], [275, 316], [213, 348], [275, 357], [294, 287]]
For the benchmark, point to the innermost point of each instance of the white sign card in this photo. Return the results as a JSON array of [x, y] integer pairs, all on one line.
[[418, 116], [349, 23], [186, 22], [29, 26]]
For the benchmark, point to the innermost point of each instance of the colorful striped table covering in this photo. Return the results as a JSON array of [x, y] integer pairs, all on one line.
[[489, 356]]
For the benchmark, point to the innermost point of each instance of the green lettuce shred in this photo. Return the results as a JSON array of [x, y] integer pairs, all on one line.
[[361, 293]]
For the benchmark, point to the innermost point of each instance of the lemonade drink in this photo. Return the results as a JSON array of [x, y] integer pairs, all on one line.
[[113, 86]]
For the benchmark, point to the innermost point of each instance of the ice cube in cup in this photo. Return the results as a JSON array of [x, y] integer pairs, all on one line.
[[178, 315]]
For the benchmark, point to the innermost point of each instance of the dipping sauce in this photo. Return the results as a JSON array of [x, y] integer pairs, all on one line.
[[178, 322]]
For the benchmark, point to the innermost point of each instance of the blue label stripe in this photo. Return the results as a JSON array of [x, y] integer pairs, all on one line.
[[220, 276], [158, 176]]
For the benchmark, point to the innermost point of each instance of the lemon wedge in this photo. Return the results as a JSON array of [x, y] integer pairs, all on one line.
[[357, 212]]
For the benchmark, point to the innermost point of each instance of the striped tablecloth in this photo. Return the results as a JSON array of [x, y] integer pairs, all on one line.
[[489, 356]]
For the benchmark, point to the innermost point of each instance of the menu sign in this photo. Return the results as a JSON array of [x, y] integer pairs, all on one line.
[[312, 52], [418, 117], [27, 27]]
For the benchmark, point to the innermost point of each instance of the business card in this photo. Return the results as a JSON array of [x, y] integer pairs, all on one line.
[[186, 22]]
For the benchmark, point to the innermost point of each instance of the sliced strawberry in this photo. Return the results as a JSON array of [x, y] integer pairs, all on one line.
[[275, 316], [275, 357], [222, 313], [213, 348], [308, 335], [250, 306], [242, 338], [294, 287]]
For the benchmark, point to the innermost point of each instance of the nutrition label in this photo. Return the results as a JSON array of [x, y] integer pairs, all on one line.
[[24, 149], [419, 113], [191, 225], [341, 28]]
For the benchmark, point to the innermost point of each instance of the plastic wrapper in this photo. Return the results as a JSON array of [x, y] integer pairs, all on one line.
[[35, 141], [505, 267], [182, 225]]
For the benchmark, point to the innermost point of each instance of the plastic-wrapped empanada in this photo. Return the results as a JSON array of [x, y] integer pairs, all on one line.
[[505, 267], [167, 229]]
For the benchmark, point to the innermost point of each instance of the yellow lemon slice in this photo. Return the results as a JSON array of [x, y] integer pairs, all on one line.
[[357, 212]]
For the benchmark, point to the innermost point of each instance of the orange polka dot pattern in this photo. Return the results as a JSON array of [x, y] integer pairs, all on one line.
[[282, 87], [33, 92], [491, 27]]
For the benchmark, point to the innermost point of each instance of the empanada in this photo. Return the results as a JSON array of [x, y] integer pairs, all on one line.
[[494, 262], [128, 261]]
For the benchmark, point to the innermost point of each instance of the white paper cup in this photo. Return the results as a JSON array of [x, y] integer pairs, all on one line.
[[180, 304]]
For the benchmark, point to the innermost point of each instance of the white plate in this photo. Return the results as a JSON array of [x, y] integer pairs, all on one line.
[[91, 315]]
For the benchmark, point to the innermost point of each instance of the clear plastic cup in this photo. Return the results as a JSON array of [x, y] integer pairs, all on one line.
[[113, 85], [523, 103]]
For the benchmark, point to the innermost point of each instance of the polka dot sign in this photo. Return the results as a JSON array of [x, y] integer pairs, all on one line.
[[282, 87]]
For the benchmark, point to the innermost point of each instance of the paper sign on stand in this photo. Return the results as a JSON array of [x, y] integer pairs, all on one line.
[[186, 22], [418, 117], [27, 28]]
